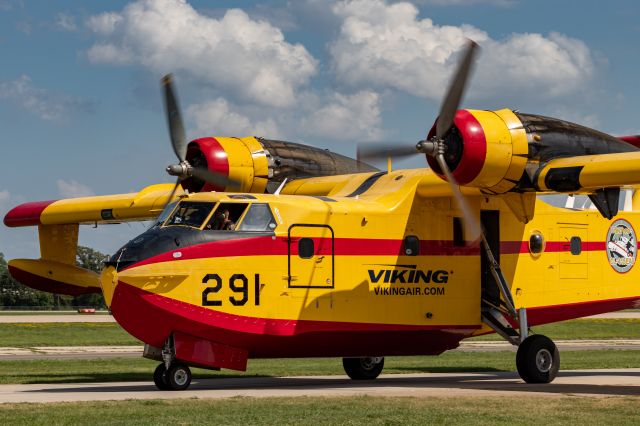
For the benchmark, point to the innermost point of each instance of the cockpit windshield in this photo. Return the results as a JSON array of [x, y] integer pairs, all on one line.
[[189, 213], [164, 214]]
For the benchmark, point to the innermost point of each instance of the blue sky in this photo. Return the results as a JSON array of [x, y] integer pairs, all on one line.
[[81, 111]]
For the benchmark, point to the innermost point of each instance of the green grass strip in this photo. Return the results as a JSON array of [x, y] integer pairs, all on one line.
[[97, 334], [361, 410]]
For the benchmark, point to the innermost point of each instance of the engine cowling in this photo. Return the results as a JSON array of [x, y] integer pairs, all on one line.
[[491, 150], [485, 149], [261, 164]]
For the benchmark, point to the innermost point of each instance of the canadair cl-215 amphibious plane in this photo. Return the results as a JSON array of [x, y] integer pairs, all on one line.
[[271, 249]]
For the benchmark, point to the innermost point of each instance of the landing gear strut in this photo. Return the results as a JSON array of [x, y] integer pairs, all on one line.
[[367, 368], [537, 359]]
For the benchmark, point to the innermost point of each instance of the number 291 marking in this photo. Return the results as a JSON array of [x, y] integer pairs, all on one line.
[[238, 283]]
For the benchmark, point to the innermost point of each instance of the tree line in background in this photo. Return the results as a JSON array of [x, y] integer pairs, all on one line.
[[13, 294]]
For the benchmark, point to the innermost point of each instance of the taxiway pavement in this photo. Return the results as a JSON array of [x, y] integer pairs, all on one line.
[[593, 383]]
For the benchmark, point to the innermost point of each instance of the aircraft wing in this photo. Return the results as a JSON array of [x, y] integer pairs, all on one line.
[[58, 224], [588, 173], [143, 205]]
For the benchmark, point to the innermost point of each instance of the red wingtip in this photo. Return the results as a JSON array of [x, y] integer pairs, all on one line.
[[27, 214]]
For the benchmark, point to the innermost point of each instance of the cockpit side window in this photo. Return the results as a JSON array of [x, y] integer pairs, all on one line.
[[189, 213], [226, 216], [258, 218]]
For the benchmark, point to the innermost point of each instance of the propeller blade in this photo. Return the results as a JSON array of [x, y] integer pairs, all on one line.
[[214, 178], [174, 119], [454, 94], [472, 223], [368, 152]]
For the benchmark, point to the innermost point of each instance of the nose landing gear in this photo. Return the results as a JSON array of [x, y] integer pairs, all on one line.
[[176, 377]]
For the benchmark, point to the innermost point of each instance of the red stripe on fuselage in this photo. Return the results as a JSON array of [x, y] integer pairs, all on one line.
[[279, 246]]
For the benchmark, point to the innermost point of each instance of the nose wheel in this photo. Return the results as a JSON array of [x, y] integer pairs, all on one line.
[[538, 359], [176, 377]]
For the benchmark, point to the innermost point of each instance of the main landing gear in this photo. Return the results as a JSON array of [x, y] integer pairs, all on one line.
[[367, 368], [537, 359]]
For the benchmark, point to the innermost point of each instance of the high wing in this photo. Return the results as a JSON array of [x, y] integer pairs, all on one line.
[[58, 224]]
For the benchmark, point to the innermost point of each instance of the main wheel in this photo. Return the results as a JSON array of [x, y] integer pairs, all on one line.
[[160, 377], [363, 368], [538, 359]]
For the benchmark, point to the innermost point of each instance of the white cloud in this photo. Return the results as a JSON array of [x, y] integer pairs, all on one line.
[[346, 117], [4, 199], [388, 46], [216, 118], [331, 115], [575, 116], [73, 189], [46, 104], [65, 22], [501, 3], [249, 57], [105, 23]]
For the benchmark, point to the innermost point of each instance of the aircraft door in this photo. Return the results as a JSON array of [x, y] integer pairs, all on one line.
[[311, 260], [573, 260], [490, 220]]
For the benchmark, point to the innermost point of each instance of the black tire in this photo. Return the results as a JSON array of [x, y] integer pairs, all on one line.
[[178, 376], [367, 368], [160, 378], [538, 359]]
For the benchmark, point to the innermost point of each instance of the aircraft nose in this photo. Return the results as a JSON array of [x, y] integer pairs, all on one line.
[[108, 282]]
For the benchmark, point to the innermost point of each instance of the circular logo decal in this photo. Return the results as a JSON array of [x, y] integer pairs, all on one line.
[[622, 246]]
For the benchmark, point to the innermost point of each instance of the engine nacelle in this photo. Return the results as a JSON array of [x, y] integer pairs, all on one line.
[[261, 164], [485, 149], [501, 151]]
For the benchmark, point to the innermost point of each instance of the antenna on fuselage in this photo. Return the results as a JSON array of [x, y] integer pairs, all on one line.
[[280, 187]]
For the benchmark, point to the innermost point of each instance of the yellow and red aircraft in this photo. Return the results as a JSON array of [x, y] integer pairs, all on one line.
[[273, 249]]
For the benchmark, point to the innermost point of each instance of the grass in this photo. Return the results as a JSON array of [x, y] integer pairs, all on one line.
[[333, 411], [111, 334], [24, 335], [601, 328], [140, 369]]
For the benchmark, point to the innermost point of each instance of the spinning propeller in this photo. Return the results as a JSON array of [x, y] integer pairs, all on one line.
[[183, 170], [438, 146]]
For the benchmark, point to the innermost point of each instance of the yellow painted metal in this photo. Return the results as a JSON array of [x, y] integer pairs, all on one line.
[[59, 243], [598, 171], [520, 150], [378, 216], [499, 150], [61, 272], [260, 164], [143, 205], [241, 168]]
